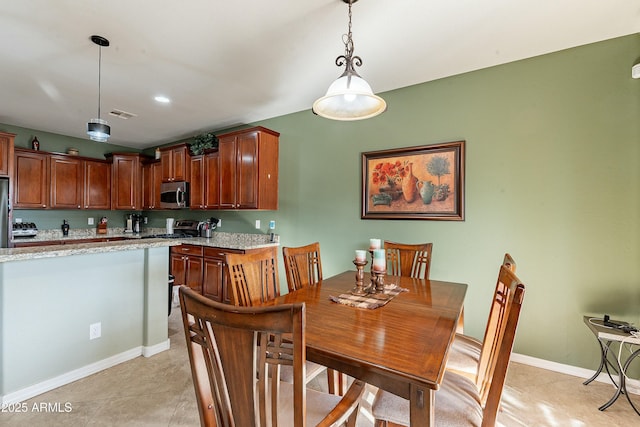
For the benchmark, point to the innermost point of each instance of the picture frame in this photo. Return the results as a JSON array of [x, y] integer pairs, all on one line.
[[423, 182]]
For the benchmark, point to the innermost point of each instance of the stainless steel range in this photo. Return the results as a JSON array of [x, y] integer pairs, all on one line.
[[24, 229]]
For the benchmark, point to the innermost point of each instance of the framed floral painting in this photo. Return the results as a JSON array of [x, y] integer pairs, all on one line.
[[424, 182]]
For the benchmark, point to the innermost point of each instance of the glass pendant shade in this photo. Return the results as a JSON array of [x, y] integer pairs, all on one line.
[[98, 130], [349, 98]]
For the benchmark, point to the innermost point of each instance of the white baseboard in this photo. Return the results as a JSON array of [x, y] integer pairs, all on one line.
[[85, 371], [155, 349], [633, 385]]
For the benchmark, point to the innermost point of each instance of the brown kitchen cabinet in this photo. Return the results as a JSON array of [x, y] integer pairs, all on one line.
[[126, 185], [66, 182], [203, 269], [185, 263], [31, 179], [248, 169], [97, 184], [215, 277], [6, 153], [76, 183], [175, 162], [205, 186], [151, 181]]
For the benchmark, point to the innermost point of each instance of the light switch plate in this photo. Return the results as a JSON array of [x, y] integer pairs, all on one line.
[[257, 223]]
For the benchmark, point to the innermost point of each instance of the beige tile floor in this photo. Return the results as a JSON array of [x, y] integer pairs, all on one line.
[[157, 391]]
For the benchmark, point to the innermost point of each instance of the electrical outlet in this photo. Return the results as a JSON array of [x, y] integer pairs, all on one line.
[[219, 224], [90, 221], [145, 219], [18, 220], [272, 225], [95, 330], [257, 223]]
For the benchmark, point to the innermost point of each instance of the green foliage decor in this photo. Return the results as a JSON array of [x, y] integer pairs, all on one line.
[[203, 142]]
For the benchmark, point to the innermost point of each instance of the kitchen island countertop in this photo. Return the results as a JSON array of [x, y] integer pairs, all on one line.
[[52, 251], [234, 241]]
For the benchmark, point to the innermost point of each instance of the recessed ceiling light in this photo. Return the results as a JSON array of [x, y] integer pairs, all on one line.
[[162, 99]]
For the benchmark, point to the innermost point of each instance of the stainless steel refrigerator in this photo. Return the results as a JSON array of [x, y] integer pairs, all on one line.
[[4, 213]]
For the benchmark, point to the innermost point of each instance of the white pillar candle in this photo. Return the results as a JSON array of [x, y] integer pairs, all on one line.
[[379, 260], [374, 244], [361, 255]]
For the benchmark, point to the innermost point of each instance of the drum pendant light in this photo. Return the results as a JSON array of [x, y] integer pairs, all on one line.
[[349, 97], [98, 129]]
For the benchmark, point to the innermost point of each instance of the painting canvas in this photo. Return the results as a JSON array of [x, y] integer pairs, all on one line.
[[424, 182]]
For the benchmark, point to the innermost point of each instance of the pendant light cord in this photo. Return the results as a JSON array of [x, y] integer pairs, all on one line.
[[99, 78]]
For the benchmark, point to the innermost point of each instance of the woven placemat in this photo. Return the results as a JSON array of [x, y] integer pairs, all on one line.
[[366, 301]]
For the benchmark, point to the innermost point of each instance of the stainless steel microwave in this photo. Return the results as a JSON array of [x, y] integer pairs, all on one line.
[[174, 195]]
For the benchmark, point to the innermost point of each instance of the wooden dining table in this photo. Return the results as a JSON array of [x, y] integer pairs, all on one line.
[[401, 347]]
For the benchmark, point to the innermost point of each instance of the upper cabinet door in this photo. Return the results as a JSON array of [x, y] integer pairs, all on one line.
[[6, 153], [227, 178], [126, 188], [66, 182], [30, 184], [97, 184], [248, 169], [175, 163]]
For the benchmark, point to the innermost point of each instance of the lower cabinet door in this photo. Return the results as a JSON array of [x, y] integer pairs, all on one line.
[[212, 279], [193, 275]]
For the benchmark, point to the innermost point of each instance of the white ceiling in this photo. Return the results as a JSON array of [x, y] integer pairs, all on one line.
[[225, 63]]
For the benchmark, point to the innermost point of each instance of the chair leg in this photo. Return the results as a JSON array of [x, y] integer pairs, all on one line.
[[337, 382]]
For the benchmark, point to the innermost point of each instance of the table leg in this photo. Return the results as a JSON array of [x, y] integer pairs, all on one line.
[[604, 363], [421, 406], [622, 386], [623, 379]]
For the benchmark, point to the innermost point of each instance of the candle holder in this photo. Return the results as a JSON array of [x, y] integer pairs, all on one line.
[[359, 288], [377, 285]]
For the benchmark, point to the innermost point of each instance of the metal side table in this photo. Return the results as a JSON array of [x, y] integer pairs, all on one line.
[[609, 362]]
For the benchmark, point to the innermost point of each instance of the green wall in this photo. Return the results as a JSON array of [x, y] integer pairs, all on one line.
[[552, 160], [551, 176]]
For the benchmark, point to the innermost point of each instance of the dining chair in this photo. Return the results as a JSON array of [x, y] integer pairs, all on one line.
[[461, 401], [253, 276], [408, 259], [236, 354], [254, 280], [465, 350], [303, 267]]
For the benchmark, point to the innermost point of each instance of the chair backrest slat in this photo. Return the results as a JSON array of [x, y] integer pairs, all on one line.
[[303, 265], [408, 259]]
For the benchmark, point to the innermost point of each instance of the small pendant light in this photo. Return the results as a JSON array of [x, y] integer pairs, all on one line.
[[349, 97], [98, 129]]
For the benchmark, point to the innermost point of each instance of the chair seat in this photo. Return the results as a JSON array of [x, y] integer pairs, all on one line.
[[318, 405], [313, 370], [464, 356], [457, 403]]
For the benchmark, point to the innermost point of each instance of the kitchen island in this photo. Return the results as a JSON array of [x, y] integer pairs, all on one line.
[[50, 296]]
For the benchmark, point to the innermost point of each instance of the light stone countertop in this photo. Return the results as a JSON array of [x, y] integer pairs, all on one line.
[[37, 252], [238, 241]]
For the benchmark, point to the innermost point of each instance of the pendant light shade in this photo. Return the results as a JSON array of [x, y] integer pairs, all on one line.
[[98, 129], [349, 97]]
